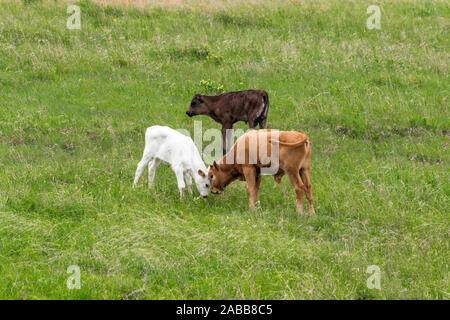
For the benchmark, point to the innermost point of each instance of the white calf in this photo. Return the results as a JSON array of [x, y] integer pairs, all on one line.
[[177, 150]]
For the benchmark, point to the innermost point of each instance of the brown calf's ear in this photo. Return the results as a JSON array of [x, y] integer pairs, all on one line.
[[215, 165], [201, 173]]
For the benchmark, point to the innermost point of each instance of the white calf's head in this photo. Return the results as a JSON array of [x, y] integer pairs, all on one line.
[[202, 182]]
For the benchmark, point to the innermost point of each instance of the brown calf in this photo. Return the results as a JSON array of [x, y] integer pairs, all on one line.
[[228, 108], [294, 159]]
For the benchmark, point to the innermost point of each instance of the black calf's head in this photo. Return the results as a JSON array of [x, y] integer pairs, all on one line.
[[197, 106]]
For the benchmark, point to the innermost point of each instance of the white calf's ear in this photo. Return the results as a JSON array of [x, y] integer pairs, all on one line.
[[201, 173]]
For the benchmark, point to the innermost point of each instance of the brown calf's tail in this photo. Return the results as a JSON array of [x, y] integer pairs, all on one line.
[[293, 144]]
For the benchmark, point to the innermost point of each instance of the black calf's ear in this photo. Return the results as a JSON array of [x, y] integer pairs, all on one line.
[[201, 173]]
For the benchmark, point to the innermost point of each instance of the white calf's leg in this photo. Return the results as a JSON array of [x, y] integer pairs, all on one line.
[[141, 166], [179, 173], [152, 165], [188, 179]]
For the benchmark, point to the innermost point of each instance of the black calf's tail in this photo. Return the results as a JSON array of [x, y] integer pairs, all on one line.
[[262, 118]]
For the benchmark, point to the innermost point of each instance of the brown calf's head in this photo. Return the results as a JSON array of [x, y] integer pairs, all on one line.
[[220, 175], [197, 106]]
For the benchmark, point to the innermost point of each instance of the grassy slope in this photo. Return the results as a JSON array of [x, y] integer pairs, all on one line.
[[75, 104]]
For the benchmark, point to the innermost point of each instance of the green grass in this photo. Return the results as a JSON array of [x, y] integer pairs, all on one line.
[[74, 106]]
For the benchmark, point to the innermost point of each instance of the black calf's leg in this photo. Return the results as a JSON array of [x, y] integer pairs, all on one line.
[[262, 123], [225, 127]]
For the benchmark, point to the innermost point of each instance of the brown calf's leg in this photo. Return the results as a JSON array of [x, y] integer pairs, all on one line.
[[277, 177], [305, 172], [252, 184], [296, 182], [258, 183]]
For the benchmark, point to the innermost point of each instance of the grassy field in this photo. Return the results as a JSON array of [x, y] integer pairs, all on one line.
[[74, 106]]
